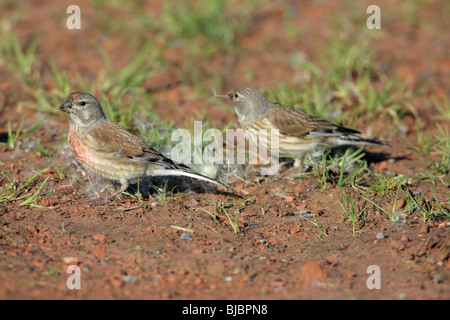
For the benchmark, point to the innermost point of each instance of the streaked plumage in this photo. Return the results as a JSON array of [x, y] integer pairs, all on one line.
[[298, 132]]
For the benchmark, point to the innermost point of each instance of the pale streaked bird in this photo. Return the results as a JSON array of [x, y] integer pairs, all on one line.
[[298, 132]]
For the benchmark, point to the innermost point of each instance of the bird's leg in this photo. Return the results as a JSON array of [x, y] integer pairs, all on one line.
[[124, 186], [297, 168]]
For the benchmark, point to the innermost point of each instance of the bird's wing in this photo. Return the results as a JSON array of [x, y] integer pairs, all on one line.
[[110, 137], [293, 122]]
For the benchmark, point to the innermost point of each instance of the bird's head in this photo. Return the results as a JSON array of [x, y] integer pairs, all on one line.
[[83, 108], [251, 104]]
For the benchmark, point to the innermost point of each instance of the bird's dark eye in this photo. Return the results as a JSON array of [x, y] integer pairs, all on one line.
[[236, 95], [82, 103]]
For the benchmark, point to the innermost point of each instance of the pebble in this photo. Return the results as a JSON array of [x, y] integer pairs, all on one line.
[[158, 252], [437, 278], [443, 224], [380, 235], [305, 213], [400, 204], [424, 229], [70, 260], [129, 279], [185, 236], [86, 270]]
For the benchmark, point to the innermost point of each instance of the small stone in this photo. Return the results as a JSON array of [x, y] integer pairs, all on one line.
[[400, 204], [129, 279], [70, 260], [424, 229], [380, 235], [185, 236], [289, 199], [158, 252], [437, 278], [442, 224], [86, 270], [306, 213], [404, 238], [402, 296]]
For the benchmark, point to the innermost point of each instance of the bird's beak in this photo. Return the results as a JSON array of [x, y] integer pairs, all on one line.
[[231, 95], [66, 106]]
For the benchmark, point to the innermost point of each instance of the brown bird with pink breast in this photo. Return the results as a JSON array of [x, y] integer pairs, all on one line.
[[112, 152]]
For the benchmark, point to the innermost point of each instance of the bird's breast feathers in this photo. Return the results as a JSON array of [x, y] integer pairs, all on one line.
[[79, 149]]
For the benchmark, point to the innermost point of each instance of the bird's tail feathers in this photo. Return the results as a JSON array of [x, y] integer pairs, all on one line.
[[182, 172], [351, 139]]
